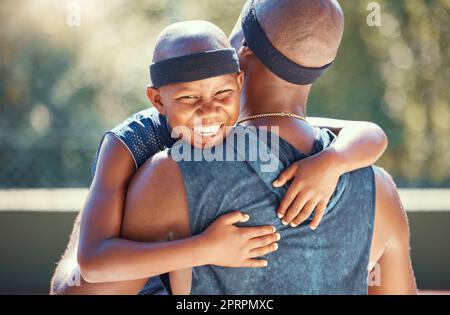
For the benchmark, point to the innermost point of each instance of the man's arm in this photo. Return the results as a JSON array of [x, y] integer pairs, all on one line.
[[390, 251], [68, 263], [67, 279]]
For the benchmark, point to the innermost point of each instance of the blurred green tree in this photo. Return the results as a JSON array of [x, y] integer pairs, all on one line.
[[62, 86]]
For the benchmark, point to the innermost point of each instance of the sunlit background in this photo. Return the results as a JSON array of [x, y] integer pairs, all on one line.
[[66, 78]]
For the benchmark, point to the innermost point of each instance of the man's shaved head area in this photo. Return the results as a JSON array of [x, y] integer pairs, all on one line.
[[187, 38], [308, 32]]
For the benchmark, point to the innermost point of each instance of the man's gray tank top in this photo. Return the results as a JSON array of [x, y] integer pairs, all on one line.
[[331, 260]]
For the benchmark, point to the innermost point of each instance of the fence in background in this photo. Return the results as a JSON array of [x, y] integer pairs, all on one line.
[[72, 199]]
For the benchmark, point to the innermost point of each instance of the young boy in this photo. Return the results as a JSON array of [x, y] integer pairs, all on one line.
[[103, 256]]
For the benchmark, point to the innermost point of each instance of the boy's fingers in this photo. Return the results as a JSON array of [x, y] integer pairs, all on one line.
[[234, 217], [295, 208], [288, 199], [258, 231], [262, 251], [305, 213], [255, 263], [264, 240], [320, 212], [286, 175]]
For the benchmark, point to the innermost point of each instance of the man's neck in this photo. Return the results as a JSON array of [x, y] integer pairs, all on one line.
[[270, 98], [267, 98]]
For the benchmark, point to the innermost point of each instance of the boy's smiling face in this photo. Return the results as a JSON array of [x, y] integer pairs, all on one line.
[[206, 107]]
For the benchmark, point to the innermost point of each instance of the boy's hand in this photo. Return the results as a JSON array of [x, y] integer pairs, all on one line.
[[231, 246], [315, 180]]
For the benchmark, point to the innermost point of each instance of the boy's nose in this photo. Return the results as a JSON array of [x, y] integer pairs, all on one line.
[[208, 108]]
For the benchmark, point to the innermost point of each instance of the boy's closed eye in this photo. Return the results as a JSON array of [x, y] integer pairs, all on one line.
[[223, 94], [191, 99], [188, 99]]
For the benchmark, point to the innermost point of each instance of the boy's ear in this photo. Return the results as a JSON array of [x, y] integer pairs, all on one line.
[[155, 98]]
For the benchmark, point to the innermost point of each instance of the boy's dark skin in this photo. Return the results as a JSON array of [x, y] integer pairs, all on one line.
[[299, 138]]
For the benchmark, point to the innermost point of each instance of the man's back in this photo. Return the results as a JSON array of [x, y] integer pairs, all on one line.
[[157, 208], [331, 260]]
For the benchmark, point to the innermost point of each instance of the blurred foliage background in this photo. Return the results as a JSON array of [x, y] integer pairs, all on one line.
[[62, 85]]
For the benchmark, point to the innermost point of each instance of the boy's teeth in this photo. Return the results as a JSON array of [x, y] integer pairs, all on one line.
[[209, 130]]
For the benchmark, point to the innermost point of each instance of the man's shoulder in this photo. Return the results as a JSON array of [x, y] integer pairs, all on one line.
[[161, 168], [156, 192], [161, 161]]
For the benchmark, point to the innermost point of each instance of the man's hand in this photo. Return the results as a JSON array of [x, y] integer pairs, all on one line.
[[231, 246], [315, 179]]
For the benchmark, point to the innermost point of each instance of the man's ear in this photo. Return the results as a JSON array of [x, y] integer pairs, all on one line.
[[244, 54], [240, 80], [155, 98], [245, 51]]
